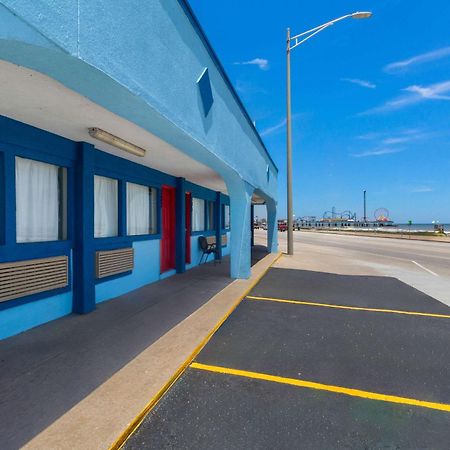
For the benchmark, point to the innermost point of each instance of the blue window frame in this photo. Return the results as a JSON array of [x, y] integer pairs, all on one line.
[[210, 216]]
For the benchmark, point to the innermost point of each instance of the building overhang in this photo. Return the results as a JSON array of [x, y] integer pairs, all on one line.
[[38, 100]]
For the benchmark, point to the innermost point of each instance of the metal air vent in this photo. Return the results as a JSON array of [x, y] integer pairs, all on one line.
[[21, 278]]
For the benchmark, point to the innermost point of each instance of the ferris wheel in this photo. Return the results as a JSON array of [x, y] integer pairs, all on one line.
[[381, 215]]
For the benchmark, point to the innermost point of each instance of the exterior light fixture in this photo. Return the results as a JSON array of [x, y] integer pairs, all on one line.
[[293, 42], [361, 15], [109, 138]]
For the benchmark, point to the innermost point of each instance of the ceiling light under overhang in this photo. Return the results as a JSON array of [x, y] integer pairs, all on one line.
[[118, 142]]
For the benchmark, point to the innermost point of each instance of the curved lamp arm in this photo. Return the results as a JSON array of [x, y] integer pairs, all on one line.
[[313, 31]]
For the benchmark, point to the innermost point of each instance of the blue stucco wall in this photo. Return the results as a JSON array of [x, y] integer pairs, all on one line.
[[31, 314], [141, 60], [146, 270], [226, 249]]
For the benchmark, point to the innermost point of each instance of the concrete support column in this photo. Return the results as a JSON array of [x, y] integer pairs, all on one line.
[[272, 228], [252, 225], [240, 205], [83, 254]]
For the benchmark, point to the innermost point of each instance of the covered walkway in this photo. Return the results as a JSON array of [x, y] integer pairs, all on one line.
[[48, 370]]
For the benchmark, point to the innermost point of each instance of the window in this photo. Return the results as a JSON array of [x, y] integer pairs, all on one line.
[[141, 209], [198, 214], [226, 220], [105, 207], [210, 216], [41, 201]]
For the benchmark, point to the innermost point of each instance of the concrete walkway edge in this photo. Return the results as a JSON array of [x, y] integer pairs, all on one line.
[[105, 416]]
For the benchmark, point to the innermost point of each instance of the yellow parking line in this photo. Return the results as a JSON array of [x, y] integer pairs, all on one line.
[[354, 308], [322, 387]]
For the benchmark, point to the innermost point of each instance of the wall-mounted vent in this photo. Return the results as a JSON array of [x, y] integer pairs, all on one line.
[[21, 278], [113, 262]]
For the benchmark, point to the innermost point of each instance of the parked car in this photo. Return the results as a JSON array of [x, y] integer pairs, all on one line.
[[282, 225]]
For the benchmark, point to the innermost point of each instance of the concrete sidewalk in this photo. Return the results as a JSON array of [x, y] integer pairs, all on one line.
[[77, 382]]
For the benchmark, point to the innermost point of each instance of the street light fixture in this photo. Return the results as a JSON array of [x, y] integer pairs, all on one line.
[[293, 42]]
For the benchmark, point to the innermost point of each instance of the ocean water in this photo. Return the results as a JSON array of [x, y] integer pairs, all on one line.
[[421, 226]]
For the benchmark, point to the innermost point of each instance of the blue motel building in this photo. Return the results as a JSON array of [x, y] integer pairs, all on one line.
[[122, 141]]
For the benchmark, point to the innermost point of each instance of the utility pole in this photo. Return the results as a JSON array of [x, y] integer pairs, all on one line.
[[290, 229], [292, 42], [365, 215]]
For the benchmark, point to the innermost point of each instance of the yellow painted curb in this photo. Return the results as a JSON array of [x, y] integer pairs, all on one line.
[[122, 439]]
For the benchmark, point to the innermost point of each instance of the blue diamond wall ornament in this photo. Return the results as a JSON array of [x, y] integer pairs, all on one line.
[[204, 86]]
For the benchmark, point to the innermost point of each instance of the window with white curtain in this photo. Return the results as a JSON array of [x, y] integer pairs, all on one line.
[[226, 219], [198, 214], [210, 218], [105, 207], [40, 201], [141, 209]]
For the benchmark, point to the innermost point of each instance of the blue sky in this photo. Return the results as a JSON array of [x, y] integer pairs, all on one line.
[[371, 99]]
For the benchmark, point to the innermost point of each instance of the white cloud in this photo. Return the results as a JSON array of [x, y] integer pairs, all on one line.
[[422, 189], [273, 129], [377, 152], [262, 63], [246, 88], [415, 94], [386, 143], [432, 92], [362, 83], [417, 60]]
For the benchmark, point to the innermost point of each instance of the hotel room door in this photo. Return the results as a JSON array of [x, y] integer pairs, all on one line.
[[167, 228]]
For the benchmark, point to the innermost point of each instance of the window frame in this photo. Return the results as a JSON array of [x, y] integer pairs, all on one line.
[[64, 193], [155, 216], [119, 208], [202, 208], [226, 226], [210, 215]]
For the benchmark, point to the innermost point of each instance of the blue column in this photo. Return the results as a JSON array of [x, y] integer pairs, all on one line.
[[218, 223], [252, 222], [180, 200], [240, 204], [272, 228], [83, 253]]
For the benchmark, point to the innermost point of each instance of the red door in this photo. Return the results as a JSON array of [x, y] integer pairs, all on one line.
[[167, 228], [188, 226]]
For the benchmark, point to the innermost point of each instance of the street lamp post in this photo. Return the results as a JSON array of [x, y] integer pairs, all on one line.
[[293, 42]]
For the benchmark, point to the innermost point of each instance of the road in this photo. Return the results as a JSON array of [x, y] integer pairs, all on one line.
[[422, 264]]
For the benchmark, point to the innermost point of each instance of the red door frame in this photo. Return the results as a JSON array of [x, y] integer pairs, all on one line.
[[168, 228], [188, 226]]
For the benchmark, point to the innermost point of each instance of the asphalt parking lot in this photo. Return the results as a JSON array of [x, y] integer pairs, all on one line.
[[315, 361]]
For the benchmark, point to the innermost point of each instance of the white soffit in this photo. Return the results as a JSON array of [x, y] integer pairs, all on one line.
[[35, 99]]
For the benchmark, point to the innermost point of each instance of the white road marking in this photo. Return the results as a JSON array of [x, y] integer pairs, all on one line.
[[424, 268]]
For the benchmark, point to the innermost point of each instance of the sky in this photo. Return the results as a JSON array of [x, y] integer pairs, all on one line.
[[370, 99]]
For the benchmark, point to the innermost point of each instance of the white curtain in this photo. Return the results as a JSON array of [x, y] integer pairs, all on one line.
[[227, 217], [138, 209], [37, 201], [198, 214], [105, 207], [153, 211]]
